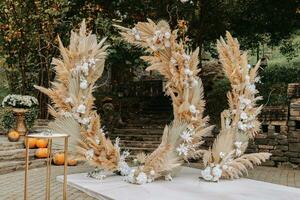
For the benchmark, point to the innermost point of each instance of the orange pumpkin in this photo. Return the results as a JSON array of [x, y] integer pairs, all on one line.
[[41, 143], [72, 162], [41, 153], [31, 142], [13, 136], [59, 159]]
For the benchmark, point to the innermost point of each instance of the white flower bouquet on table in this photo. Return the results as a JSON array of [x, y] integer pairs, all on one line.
[[19, 101]]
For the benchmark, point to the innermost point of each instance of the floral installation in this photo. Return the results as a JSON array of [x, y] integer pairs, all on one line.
[[171, 57], [82, 63], [19, 101], [226, 158]]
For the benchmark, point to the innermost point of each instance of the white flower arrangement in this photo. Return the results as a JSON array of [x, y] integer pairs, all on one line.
[[136, 34], [186, 136], [19, 101], [81, 109], [141, 178], [188, 72], [97, 174], [85, 65], [69, 100], [212, 173], [84, 84], [97, 140], [182, 149], [89, 154], [123, 168], [193, 109]]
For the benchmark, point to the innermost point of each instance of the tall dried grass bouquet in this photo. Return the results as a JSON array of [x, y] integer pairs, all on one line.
[[80, 65]]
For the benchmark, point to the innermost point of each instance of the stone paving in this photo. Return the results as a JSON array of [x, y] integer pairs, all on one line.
[[12, 187], [11, 184]]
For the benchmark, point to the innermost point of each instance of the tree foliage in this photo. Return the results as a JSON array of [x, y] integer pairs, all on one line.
[[28, 31]]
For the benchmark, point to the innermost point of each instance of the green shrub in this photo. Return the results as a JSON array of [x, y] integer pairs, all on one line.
[[274, 82], [217, 100], [8, 120]]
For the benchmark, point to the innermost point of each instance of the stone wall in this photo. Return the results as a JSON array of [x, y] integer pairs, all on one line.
[[280, 131]]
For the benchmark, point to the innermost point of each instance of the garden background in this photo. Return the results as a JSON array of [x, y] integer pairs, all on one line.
[[267, 29]]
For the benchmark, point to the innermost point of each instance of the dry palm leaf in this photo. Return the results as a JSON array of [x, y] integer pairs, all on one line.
[[80, 65], [239, 123]]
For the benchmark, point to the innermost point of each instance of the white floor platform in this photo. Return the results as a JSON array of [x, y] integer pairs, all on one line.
[[186, 186]]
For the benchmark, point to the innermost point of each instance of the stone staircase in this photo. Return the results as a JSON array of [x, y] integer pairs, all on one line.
[[12, 156], [143, 131]]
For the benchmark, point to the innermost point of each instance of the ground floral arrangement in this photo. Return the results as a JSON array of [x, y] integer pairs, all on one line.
[[73, 106], [19, 101]]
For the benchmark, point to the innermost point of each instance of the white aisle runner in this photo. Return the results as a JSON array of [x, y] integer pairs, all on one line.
[[186, 186]]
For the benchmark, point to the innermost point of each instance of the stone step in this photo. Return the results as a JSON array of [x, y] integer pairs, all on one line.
[[136, 150], [42, 121], [143, 126], [157, 118], [155, 142], [6, 145], [16, 154], [142, 144], [136, 137], [138, 131], [11, 166]]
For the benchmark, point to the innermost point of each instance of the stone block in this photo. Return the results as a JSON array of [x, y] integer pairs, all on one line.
[[293, 140], [265, 147], [251, 151], [272, 142], [283, 142], [295, 160], [294, 117], [294, 113], [291, 123], [282, 147], [263, 150], [261, 141], [294, 147], [279, 158], [269, 163], [280, 123], [260, 136], [291, 154], [292, 128], [281, 137], [252, 146], [277, 152]]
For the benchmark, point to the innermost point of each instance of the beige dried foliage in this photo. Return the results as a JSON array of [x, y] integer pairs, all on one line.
[[172, 59], [71, 94], [164, 159], [141, 157], [239, 123], [240, 166]]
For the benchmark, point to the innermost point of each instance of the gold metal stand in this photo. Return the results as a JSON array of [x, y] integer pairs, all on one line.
[[49, 158]]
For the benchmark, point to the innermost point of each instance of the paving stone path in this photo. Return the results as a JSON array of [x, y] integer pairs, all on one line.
[[11, 184]]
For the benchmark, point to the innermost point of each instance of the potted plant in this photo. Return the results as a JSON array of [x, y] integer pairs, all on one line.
[[20, 105]]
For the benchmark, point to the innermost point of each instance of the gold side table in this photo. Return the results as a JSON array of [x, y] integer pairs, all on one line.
[[49, 137]]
